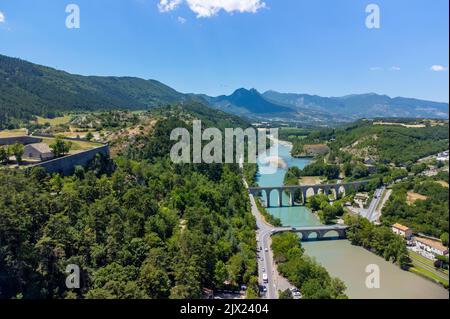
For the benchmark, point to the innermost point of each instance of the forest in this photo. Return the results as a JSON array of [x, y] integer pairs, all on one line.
[[428, 216], [397, 145], [28, 90], [388, 144], [377, 239], [138, 226]]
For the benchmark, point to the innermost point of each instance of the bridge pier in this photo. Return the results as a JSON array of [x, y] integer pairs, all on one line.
[[280, 197], [326, 191], [304, 196], [326, 188], [320, 233], [268, 191], [336, 192]]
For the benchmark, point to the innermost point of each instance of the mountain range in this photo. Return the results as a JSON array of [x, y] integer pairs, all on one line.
[[28, 89], [313, 108]]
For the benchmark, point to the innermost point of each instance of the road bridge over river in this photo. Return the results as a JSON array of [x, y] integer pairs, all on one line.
[[321, 231], [291, 190]]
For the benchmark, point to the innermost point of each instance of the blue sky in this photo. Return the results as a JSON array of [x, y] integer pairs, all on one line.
[[305, 46]]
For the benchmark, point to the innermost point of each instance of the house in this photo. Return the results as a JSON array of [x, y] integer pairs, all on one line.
[[361, 199], [443, 157], [402, 230], [431, 246], [38, 151]]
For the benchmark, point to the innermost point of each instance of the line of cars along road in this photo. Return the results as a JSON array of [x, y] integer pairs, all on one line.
[[263, 288]]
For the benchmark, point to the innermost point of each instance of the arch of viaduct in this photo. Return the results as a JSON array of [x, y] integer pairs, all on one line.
[[325, 188], [319, 231]]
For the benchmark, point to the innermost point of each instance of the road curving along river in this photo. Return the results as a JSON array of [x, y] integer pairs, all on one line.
[[342, 259]]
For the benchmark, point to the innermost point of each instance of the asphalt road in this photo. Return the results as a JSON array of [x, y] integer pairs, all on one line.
[[371, 212], [266, 263], [265, 255]]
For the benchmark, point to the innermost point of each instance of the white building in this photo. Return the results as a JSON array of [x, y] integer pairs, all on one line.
[[443, 157], [402, 230], [430, 246], [38, 151]]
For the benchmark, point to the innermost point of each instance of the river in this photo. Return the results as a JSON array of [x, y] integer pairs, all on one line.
[[342, 259]]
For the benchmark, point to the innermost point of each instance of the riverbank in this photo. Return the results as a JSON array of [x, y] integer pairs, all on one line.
[[351, 264], [343, 260]]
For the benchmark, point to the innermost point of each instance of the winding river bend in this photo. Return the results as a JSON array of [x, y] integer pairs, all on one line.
[[344, 260]]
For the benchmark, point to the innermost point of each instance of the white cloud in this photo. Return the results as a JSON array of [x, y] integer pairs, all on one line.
[[2, 17], [209, 8], [438, 68], [395, 68], [168, 5], [375, 68], [181, 20]]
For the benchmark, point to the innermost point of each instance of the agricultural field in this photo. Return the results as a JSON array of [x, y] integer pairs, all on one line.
[[77, 146], [54, 121], [13, 133], [412, 197], [310, 180]]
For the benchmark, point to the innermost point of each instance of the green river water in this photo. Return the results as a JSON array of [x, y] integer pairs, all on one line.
[[342, 259]]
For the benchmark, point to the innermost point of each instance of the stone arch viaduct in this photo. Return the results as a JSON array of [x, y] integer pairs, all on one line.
[[325, 188]]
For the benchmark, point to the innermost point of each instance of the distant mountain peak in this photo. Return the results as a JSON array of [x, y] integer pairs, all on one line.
[[251, 100]]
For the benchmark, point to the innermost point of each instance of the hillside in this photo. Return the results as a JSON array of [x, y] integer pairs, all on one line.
[[362, 105], [28, 89], [380, 142], [392, 144], [252, 104], [251, 100], [139, 226], [330, 111]]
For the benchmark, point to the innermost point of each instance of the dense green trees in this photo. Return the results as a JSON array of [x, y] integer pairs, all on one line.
[[378, 239], [4, 155], [89, 136], [388, 144], [428, 216], [327, 212], [292, 175], [17, 150], [303, 272], [60, 147], [27, 89], [148, 231], [320, 168], [392, 144], [286, 294], [142, 227]]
